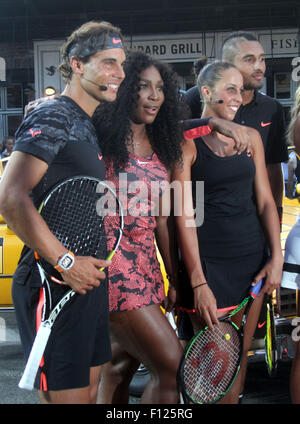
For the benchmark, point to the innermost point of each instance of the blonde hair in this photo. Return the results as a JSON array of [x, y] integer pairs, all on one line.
[[294, 115]]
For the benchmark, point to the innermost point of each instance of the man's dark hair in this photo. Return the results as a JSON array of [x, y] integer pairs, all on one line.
[[88, 32], [230, 48]]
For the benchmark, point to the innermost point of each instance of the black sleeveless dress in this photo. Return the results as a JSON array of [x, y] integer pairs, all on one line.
[[231, 241]]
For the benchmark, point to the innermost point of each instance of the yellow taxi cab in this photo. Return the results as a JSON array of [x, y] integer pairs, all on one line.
[[10, 249]]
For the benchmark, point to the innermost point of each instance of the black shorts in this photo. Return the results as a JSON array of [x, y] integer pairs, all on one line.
[[184, 326], [229, 279], [80, 335]]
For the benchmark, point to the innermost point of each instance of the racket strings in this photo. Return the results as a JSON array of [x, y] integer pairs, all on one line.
[[211, 363], [71, 214]]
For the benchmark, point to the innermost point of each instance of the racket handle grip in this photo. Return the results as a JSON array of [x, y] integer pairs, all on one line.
[[257, 288], [35, 357]]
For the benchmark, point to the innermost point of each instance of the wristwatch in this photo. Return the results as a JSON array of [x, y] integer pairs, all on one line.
[[65, 262]]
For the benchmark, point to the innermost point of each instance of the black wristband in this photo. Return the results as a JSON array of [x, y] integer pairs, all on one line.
[[207, 120]]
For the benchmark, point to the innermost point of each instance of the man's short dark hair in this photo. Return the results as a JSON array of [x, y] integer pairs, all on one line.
[[229, 47], [88, 31]]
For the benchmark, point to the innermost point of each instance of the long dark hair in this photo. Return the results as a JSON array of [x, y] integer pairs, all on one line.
[[112, 120]]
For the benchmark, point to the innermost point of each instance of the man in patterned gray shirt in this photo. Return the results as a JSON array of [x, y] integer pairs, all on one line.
[[55, 141]]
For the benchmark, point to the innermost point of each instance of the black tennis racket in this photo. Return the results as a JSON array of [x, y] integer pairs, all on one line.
[[271, 355], [76, 211], [212, 359]]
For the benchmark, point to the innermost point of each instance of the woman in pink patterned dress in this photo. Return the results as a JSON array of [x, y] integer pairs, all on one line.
[[140, 140]]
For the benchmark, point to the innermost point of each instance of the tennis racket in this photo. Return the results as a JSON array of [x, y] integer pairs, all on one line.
[[212, 359], [270, 339], [76, 211]]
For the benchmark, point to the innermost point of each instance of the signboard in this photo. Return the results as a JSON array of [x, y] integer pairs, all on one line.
[[170, 48], [183, 49], [279, 44]]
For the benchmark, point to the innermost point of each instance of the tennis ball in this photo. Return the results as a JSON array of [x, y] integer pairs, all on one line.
[[227, 336], [298, 188]]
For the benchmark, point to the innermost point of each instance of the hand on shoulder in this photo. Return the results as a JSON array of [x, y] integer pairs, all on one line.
[[256, 141]]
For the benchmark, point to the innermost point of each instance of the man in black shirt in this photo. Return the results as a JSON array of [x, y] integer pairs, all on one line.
[[55, 141], [259, 111]]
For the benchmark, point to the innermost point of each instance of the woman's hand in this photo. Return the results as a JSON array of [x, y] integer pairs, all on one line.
[[171, 299], [206, 305], [272, 273], [240, 133]]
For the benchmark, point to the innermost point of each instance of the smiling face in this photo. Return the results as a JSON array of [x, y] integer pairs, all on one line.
[[250, 61], [104, 68], [151, 96], [228, 89]]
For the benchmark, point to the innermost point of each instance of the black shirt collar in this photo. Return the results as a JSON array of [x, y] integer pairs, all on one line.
[[256, 98]]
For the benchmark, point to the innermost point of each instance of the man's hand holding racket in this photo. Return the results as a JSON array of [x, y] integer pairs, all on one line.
[[85, 274], [80, 227]]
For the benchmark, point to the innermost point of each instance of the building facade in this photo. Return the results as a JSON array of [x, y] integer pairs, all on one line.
[[30, 40], [181, 50]]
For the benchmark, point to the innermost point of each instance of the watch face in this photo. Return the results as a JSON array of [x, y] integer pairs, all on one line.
[[66, 261]]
